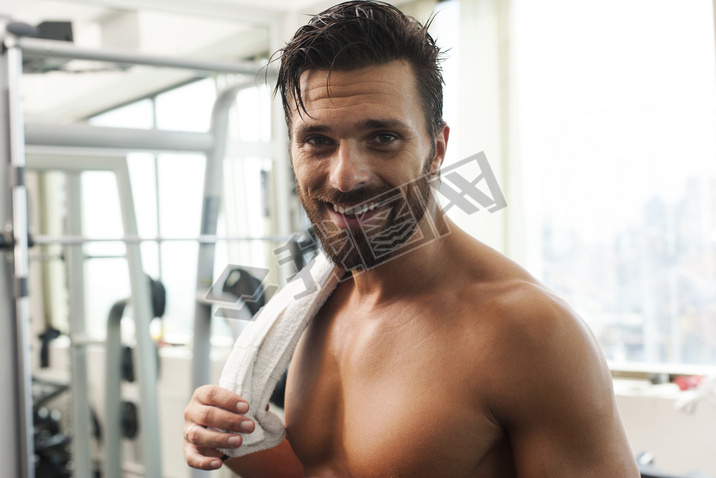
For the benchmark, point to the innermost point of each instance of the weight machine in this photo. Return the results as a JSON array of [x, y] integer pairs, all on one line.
[[50, 142]]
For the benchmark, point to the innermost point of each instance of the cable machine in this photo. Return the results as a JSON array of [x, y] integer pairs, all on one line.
[[15, 415]]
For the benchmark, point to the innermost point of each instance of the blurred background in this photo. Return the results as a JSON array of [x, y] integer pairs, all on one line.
[[598, 120]]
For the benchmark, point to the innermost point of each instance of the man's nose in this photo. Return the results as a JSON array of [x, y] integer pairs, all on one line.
[[349, 169]]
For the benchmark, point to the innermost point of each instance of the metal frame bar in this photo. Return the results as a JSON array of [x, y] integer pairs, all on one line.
[[201, 363], [13, 66], [78, 239], [85, 136], [81, 419], [112, 466], [129, 139], [37, 48], [142, 313]]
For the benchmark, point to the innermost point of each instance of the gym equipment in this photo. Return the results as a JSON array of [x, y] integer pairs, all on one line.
[[81, 419], [68, 143], [52, 453], [16, 412], [46, 337], [73, 165], [122, 418]]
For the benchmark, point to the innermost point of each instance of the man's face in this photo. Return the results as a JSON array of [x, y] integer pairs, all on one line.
[[362, 157]]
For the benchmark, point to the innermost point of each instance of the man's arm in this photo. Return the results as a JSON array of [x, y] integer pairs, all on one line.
[[215, 407], [557, 403], [279, 462]]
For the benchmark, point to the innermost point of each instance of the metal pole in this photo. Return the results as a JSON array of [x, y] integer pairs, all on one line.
[[201, 356], [74, 135], [150, 437], [201, 363], [13, 459], [204, 239], [37, 48], [74, 259], [129, 139], [286, 205], [112, 438], [13, 57]]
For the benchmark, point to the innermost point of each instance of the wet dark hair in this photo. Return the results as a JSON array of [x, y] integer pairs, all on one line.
[[357, 34]]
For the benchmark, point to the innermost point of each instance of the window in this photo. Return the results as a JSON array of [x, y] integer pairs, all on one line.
[[617, 109], [168, 196]]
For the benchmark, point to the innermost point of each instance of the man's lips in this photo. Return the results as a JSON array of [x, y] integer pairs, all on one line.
[[352, 216]]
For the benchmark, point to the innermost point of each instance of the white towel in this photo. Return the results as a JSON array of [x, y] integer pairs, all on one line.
[[264, 348]]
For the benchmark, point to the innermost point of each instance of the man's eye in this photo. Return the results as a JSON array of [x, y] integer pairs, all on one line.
[[385, 138], [318, 141]]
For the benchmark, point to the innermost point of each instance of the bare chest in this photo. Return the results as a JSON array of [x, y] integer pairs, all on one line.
[[386, 399]]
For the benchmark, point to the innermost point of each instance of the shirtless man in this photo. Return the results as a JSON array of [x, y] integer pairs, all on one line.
[[448, 361]]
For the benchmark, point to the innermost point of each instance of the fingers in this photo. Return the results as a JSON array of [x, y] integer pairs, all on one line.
[[216, 407], [202, 458], [213, 408], [220, 397], [201, 446], [212, 417], [212, 439]]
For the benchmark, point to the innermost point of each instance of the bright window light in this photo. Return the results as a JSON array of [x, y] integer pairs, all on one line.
[[168, 196], [617, 108]]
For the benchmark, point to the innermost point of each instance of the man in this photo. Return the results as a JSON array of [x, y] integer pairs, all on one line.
[[446, 361]]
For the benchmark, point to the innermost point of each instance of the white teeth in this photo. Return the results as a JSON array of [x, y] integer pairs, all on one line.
[[355, 210]]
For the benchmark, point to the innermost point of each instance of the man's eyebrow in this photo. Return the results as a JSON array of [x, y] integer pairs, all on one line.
[[368, 124], [314, 128], [382, 124]]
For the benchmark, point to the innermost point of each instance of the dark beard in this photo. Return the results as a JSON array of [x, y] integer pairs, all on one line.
[[380, 239]]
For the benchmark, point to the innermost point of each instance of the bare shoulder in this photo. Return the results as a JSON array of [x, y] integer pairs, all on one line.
[[539, 374], [529, 339], [521, 331], [538, 340], [526, 314], [517, 308], [549, 387]]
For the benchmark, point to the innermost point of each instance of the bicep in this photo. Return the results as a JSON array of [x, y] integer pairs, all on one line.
[[564, 439]]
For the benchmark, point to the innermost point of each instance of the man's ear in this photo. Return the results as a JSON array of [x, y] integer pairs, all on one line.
[[440, 149]]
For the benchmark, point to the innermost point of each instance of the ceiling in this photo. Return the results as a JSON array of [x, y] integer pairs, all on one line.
[[261, 11], [226, 30]]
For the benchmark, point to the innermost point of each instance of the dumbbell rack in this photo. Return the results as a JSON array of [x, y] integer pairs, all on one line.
[[16, 414]]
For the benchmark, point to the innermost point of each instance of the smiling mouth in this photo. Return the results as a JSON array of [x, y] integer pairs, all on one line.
[[356, 210]]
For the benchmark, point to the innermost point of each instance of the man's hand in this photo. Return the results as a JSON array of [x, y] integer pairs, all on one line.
[[213, 407]]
